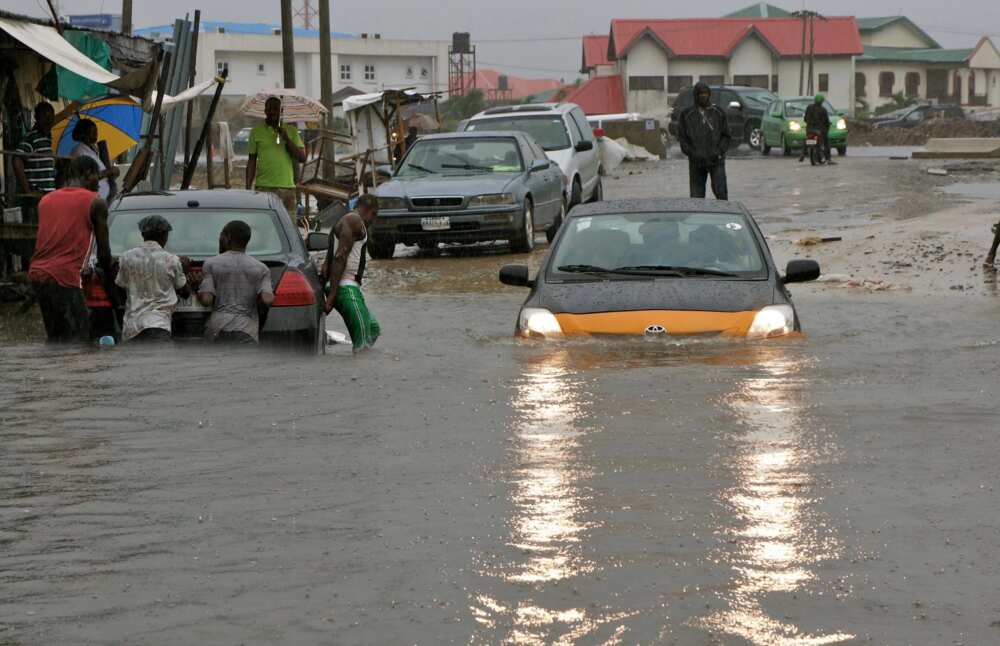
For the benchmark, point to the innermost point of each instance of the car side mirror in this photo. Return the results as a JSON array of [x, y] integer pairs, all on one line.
[[801, 271], [584, 146], [735, 105], [515, 276], [539, 164], [385, 170], [317, 241]]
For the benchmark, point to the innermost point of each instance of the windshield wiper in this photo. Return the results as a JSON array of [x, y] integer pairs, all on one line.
[[679, 271], [593, 269], [419, 167], [481, 169]]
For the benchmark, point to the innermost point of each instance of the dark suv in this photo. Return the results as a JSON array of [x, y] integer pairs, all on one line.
[[744, 108]]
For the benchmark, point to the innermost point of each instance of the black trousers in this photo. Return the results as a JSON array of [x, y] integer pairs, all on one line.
[[64, 312], [699, 174]]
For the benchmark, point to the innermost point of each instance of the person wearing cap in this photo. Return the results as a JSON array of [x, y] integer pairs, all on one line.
[[274, 148], [153, 279], [818, 121]]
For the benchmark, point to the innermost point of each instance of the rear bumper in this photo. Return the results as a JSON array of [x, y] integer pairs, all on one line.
[[282, 323], [406, 227]]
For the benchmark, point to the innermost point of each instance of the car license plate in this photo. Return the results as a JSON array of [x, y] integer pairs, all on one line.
[[811, 142], [189, 304], [435, 224]]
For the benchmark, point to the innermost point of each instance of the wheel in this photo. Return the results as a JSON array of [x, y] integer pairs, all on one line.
[[381, 249], [755, 136], [550, 233], [598, 194], [576, 194], [841, 151], [785, 147], [524, 241]]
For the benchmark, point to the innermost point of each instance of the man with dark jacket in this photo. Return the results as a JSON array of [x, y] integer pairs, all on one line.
[[703, 133], [818, 121]]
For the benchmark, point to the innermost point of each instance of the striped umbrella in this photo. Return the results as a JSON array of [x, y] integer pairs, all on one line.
[[118, 119], [294, 106]]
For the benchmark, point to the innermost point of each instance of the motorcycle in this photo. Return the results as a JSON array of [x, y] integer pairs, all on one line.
[[814, 148]]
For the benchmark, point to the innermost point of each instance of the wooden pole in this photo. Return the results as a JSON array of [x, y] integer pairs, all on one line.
[[812, 53], [205, 131], [288, 43], [194, 71], [802, 58], [127, 17], [140, 165], [325, 80], [55, 17]]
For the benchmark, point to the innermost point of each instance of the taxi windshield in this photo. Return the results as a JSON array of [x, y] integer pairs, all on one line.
[[797, 109], [677, 245]]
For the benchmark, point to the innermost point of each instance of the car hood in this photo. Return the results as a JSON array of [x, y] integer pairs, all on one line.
[[688, 294], [438, 185]]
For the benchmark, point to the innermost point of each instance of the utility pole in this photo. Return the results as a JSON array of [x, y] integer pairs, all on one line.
[[802, 56], [288, 43], [812, 53], [325, 60], [127, 17], [307, 13], [808, 22]]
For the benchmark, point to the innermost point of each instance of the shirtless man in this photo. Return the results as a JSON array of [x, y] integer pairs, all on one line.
[[345, 268]]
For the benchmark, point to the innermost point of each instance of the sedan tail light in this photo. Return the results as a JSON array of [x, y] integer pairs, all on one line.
[[294, 290]]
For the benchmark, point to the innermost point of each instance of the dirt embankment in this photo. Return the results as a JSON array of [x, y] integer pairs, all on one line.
[[863, 133]]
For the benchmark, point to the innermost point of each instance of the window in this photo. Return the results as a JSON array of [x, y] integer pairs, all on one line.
[[549, 131], [424, 72], [345, 72], [712, 79], [860, 84], [885, 82], [260, 69], [912, 84], [752, 80], [774, 82], [370, 72], [586, 132], [645, 83], [937, 83], [221, 67], [775, 109], [409, 71], [676, 84], [824, 82]]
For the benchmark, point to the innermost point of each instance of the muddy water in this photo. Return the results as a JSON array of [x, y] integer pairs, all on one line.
[[457, 486]]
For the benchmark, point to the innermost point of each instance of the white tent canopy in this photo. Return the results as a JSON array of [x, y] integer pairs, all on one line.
[[47, 42], [359, 101]]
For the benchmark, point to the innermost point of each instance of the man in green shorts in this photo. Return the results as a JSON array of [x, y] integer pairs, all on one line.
[[345, 268], [274, 148]]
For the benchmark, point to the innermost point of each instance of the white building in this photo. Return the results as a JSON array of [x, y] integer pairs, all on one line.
[[369, 63]]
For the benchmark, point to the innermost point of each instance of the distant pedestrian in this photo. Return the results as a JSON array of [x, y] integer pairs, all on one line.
[[991, 256], [345, 268], [36, 170], [70, 220], [153, 279], [236, 287], [274, 149], [85, 132], [703, 133]]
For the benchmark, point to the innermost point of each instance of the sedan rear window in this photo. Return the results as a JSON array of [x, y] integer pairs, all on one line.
[[196, 231], [671, 244], [548, 131]]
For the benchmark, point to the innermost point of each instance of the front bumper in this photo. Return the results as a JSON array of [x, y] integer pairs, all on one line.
[[480, 225], [798, 139]]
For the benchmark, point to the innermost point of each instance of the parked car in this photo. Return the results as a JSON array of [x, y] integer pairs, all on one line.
[[784, 126], [473, 186], [561, 129], [744, 108], [915, 115], [197, 218], [659, 268]]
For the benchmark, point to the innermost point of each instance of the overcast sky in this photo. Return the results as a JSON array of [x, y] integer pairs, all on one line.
[[556, 24]]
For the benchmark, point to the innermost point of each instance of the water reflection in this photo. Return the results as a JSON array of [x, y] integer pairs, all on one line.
[[780, 542], [548, 499]]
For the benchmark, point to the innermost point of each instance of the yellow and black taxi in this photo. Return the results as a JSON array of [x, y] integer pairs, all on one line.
[[667, 267]]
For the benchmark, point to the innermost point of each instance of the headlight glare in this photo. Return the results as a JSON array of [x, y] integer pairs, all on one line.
[[492, 199], [389, 203], [536, 321], [842, 124], [795, 126], [773, 321]]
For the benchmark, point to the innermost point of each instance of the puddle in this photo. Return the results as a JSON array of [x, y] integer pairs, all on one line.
[[977, 190]]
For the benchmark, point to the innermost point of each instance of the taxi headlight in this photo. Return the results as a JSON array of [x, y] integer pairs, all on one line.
[[795, 126], [539, 322], [390, 203], [842, 124], [772, 321], [492, 199]]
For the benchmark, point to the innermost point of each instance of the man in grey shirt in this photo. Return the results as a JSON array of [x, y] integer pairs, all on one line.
[[234, 285]]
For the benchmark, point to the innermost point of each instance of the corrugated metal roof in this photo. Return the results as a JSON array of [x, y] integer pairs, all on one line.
[[246, 28], [881, 22], [595, 52], [717, 37], [909, 55], [760, 10], [599, 95]]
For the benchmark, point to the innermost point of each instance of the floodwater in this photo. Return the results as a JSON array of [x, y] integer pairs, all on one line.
[[458, 486], [976, 190]]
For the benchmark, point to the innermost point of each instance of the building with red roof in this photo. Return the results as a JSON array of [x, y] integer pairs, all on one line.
[[497, 86]]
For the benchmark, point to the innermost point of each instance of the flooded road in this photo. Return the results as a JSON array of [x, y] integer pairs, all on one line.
[[456, 486]]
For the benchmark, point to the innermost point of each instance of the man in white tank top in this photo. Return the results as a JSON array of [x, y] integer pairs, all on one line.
[[345, 268]]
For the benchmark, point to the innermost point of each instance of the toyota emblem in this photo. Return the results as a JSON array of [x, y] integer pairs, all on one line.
[[655, 330]]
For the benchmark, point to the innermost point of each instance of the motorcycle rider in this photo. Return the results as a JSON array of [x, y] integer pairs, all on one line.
[[818, 122], [703, 133]]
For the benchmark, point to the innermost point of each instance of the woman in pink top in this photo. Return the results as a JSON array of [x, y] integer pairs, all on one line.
[[69, 220]]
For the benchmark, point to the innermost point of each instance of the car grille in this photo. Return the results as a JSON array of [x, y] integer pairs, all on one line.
[[436, 202]]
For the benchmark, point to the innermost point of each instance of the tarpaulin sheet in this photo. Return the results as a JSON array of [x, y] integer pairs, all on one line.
[[74, 87], [47, 42], [193, 92]]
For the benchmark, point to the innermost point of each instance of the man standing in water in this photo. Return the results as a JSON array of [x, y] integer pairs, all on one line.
[[274, 149], [703, 133], [345, 268]]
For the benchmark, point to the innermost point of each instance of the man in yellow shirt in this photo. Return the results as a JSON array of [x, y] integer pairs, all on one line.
[[273, 147]]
